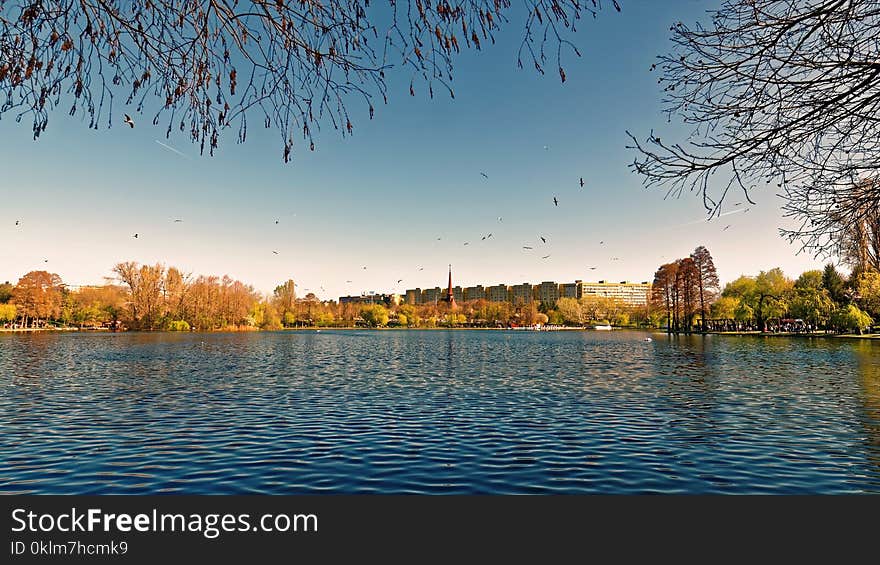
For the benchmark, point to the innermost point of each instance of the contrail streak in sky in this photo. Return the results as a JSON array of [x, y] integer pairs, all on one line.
[[169, 148]]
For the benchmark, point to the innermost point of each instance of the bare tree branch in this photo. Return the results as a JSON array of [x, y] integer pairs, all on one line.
[[209, 64], [776, 91]]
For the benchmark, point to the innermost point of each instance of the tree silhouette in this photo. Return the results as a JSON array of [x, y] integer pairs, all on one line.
[[777, 92], [204, 66]]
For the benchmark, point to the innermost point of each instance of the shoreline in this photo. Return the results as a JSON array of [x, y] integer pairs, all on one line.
[[315, 329]]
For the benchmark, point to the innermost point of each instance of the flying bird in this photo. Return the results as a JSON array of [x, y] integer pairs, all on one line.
[[45, 260], [365, 267], [465, 242], [421, 268], [488, 236], [615, 258], [725, 227], [555, 202], [483, 238], [275, 252], [499, 219], [601, 243], [484, 174], [177, 221], [592, 268], [399, 281], [545, 257], [348, 281], [738, 204], [129, 121], [276, 222], [135, 236], [544, 239], [582, 182], [526, 247], [439, 238], [546, 147]]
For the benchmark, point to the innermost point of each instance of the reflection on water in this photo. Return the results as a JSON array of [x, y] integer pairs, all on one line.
[[437, 412]]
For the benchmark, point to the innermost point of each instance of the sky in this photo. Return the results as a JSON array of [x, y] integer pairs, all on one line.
[[381, 198]]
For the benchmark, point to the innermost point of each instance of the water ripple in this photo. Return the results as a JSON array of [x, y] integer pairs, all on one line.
[[437, 412]]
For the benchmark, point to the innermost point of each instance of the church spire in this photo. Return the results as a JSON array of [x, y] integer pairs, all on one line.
[[450, 296]]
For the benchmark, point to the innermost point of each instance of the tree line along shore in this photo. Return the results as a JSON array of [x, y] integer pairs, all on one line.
[[685, 298]]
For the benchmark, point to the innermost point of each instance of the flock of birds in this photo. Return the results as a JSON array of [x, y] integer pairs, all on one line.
[[544, 241]]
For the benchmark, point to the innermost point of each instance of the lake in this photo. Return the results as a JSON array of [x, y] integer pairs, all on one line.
[[437, 412]]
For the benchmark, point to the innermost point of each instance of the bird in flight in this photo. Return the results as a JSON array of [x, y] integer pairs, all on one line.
[[421, 268], [17, 222], [555, 202], [615, 258], [45, 260], [582, 182], [484, 174], [499, 219], [129, 121], [592, 268], [276, 222], [177, 220], [365, 267], [439, 238], [526, 247], [483, 238], [465, 242], [135, 236], [399, 281], [726, 227], [348, 281], [546, 147], [544, 239], [746, 210], [601, 243], [488, 236], [275, 252], [545, 257]]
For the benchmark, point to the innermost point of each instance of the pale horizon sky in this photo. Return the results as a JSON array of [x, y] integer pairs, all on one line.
[[382, 197]]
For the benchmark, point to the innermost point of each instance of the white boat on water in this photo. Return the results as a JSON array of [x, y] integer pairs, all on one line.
[[603, 327]]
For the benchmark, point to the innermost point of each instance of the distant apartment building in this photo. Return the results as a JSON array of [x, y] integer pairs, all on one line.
[[414, 296], [387, 299], [522, 293], [458, 293], [547, 292], [475, 293], [572, 290], [498, 293], [432, 295], [633, 294]]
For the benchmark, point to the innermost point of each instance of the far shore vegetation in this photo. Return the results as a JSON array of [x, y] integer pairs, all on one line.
[[685, 298]]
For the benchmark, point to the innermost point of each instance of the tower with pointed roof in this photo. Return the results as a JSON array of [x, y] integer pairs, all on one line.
[[450, 296]]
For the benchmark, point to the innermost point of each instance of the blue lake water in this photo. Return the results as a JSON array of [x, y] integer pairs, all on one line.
[[437, 412]]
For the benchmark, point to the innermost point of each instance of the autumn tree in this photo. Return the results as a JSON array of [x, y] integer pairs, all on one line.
[[374, 315], [707, 280], [285, 298], [773, 92], [769, 295], [37, 297], [686, 291], [5, 292], [205, 67], [145, 284], [663, 292]]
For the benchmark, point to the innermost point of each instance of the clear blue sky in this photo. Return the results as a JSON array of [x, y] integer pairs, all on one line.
[[382, 197]]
